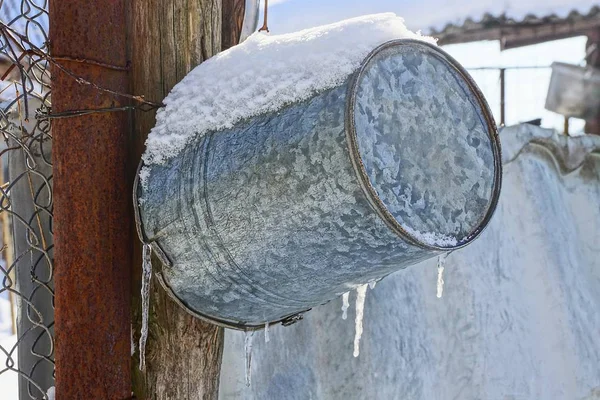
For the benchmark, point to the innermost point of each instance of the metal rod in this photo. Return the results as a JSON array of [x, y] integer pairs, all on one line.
[[265, 26], [502, 97], [92, 218]]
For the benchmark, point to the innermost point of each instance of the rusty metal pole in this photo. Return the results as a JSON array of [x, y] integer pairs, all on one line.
[[92, 197]]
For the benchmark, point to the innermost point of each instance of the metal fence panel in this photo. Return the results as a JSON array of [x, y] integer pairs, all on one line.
[[26, 198]]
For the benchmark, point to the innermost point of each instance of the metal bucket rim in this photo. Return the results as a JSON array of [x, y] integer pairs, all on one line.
[[360, 170]]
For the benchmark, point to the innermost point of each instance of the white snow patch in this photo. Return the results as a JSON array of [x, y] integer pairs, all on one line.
[[50, 393], [432, 238], [264, 74], [345, 304], [361, 294]]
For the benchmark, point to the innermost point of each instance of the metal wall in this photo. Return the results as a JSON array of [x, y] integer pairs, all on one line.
[[518, 318]]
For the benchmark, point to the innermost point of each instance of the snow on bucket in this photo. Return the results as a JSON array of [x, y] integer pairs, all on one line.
[[387, 156]]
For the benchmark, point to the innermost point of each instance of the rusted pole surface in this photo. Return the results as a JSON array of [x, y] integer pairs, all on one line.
[[92, 195]]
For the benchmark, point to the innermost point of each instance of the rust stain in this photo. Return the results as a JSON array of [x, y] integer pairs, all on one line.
[[92, 218]]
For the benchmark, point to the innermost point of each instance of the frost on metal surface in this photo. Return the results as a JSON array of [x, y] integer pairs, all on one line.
[[361, 294], [420, 145], [264, 74], [270, 218]]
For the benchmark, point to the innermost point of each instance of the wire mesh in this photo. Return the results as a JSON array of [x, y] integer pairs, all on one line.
[[26, 265]]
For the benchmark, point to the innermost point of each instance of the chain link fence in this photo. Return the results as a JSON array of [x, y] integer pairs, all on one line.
[[26, 265]]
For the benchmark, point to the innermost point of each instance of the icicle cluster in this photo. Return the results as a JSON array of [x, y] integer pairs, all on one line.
[[146, 276]]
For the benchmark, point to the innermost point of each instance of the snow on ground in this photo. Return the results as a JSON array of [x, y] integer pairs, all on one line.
[[263, 74]]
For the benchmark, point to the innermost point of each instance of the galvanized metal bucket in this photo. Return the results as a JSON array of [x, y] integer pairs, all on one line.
[[286, 211]]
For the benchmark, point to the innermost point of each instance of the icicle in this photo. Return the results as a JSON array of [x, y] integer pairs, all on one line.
[[345, 304], [132, 342], [372, 284], [440, 277], [267, 333], [146, 276], [361, 294], [248, 354]]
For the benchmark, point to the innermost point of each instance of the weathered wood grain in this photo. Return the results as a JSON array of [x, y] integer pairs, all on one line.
[[183, 354], [233, 20]]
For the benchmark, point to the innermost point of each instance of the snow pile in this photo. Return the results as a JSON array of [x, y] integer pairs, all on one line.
[[264, 74]]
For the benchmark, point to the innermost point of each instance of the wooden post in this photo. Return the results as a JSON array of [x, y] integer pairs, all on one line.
[[169, 38], [233, 20]]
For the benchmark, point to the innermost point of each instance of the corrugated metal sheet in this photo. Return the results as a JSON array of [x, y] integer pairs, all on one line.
[[544, 26]]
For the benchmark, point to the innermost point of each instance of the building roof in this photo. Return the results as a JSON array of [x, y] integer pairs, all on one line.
[[522, 29]]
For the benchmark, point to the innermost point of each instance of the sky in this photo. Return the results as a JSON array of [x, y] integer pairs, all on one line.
[[525, 88], [291, 15]]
